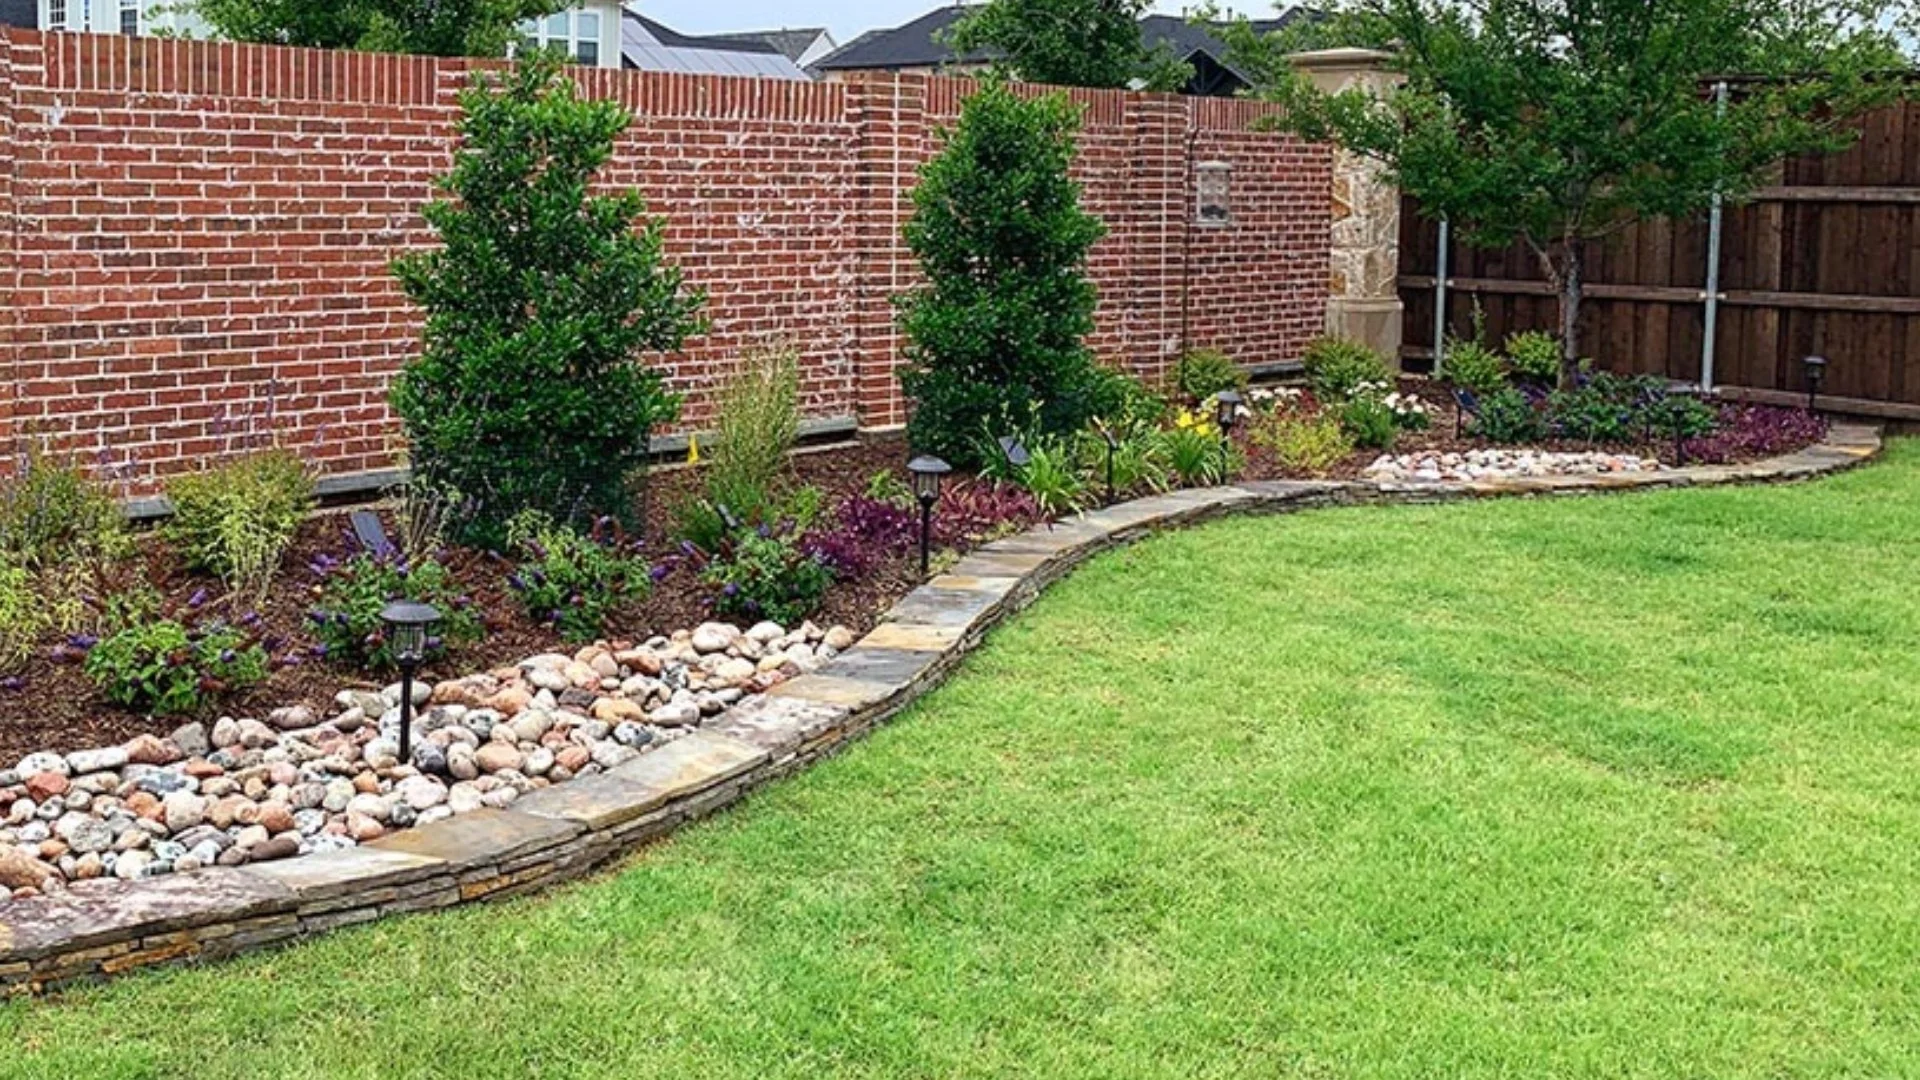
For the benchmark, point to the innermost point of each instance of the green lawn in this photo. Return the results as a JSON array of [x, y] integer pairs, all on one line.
[[1623, 786]]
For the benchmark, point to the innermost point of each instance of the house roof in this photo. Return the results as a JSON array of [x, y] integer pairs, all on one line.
[[792, 44], [917, 43], [21, 13], [647, 45]]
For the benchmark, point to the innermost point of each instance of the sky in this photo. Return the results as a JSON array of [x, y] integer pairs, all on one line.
[[846, 18]]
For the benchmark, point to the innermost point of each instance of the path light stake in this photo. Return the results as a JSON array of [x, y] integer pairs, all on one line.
[[1113, 443], [928, 473], [407, 625], [1226, 412], [1816, 367]]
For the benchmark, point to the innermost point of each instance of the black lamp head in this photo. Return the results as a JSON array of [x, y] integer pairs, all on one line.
[[928, 473], [407, 625], [1816, 370], [1226, 409]]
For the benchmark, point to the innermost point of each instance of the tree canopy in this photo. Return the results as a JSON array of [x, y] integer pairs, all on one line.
[[422, 27], [1094, 43], [1555, 122]]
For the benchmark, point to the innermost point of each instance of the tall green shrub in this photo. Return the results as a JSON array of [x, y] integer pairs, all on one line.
[[529, 393], [997, 335]]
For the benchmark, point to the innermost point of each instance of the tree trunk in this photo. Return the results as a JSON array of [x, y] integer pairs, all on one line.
[[1567, 280]]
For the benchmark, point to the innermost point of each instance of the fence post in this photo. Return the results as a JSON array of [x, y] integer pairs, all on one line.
[[1363, 302], [1441, 268], [1712, 296]]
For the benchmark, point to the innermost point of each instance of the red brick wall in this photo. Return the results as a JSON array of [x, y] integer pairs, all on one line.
[[194, 238]]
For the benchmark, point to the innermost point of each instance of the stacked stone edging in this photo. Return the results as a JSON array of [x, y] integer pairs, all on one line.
[[101, 928]]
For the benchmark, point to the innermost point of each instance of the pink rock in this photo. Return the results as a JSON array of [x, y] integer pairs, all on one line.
[[152, 750], [614, 710], [572, 758], [46, 785], [364, 828], [510, 700], [275, 817], [496, 756], [20, 870]]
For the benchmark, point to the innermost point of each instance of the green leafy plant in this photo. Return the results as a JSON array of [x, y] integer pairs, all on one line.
[[1197, 456], [164, 667], [236, 519], [1473, 367], [345, 616], [763, 574], [1370, 422], [1070, 43], [886, 485], [1119, 398], [53, 512], [1301, 443], [1202, 373], [1137, 460], [449, 28], [1534, 356], [997, 335], [1507, 417], [1336, 368], [24, 616], [540, 300], [1052, 477], [574, 581]]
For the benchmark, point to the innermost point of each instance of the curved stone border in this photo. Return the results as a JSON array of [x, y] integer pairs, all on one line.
[[101, 928]]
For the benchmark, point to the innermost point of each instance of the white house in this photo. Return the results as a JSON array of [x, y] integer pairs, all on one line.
[[131, 17]]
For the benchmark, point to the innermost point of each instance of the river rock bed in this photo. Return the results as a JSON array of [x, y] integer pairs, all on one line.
[[1495, 464], [293, 783]]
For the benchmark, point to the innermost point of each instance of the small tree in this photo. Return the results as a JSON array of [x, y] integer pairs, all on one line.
[[1070, 43], [997, 333], [529, 393], [424, 27], [1558, 123]]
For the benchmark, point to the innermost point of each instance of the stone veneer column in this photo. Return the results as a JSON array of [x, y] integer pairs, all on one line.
[[1364, 299]]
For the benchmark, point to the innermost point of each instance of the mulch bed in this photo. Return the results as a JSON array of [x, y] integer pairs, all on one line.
[[54, 706]]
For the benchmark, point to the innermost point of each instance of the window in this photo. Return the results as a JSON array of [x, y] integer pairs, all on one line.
[[556, 28], [130, 17], [56, 14], [1213, 182], [586, 39]]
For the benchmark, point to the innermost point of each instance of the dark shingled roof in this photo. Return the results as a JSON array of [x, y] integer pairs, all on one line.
[[915, 44], [22, 13], [792, 44], [674, 39]]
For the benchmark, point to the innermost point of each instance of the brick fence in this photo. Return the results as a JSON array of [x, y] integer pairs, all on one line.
[[194, 237]]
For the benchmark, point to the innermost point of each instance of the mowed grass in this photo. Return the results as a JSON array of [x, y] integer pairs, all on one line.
[[1611, 787]]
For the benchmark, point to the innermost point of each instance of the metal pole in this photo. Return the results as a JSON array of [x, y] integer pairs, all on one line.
[[926, 526], [1712, 313], [406, 714], [1440, 300]]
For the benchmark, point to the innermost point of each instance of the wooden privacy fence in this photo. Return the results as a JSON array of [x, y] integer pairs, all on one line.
[[1825, 261]]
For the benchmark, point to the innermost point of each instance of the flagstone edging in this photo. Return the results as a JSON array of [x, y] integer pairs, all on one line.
[[96, 929]]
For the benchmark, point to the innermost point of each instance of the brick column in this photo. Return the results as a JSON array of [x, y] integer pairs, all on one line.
[[1364, 303], [889, 112], [1156, 332]]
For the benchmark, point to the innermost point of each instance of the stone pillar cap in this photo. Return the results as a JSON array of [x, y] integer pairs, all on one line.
[[1348, 57]]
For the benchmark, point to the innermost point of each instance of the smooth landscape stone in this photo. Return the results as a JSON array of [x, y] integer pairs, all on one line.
[[347, 870], [937, 605], [779, 724], [596, 802], [692, 764], [855, 695], [890, 667], [916, 637], [479, 837], [92, 912]]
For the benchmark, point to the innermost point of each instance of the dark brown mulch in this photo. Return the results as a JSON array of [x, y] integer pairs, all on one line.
[[54, 706]]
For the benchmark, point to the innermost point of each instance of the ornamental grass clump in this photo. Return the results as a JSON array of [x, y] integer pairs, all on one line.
[[758, 424], [529, 392]]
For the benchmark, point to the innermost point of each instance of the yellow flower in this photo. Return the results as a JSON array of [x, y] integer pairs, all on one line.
[[693, 449]]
